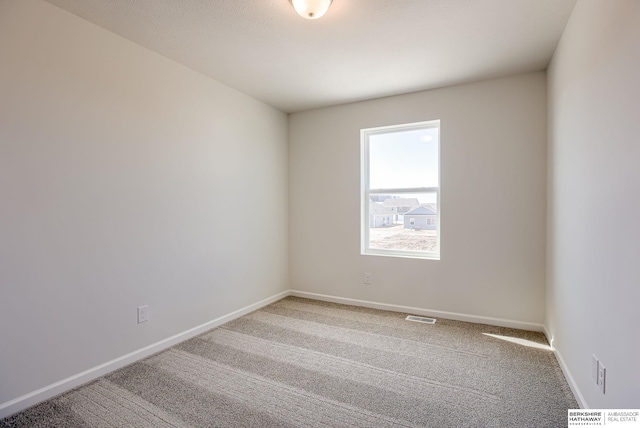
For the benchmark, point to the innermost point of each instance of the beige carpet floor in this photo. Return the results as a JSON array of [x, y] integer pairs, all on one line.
[[305, 363]]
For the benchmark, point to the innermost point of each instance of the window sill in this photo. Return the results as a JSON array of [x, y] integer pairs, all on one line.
[[401, 254]]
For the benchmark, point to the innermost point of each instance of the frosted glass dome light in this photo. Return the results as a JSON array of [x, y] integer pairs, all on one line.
[[311, 9]]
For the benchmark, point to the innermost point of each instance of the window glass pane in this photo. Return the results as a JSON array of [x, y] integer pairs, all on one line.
[[400, 189], [404, 159], [403, 222]]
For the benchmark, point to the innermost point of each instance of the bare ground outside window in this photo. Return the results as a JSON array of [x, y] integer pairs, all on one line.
[[399, 238]]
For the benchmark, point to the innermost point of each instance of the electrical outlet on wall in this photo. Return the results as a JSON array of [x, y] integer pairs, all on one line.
[[368, 278], [598, 373], [143, 314], [602, 377]]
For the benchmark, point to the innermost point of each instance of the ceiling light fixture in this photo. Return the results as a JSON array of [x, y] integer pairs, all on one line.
[[311, 9]]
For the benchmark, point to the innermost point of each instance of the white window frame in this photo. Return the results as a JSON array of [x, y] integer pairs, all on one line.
[[366, 192]]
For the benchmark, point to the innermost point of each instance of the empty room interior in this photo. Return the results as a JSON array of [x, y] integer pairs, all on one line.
[[170, 167]]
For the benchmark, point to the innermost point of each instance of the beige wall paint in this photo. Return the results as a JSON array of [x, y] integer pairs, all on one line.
[[593, 285], [125, 179], [493, 166]]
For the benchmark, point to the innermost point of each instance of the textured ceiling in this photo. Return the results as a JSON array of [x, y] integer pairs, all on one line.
[[360, 49]]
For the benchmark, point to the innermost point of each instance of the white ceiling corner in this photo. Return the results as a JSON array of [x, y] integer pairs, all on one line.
[[361, 49]]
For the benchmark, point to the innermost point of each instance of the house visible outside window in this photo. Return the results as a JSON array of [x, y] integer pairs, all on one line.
[[401, 181]]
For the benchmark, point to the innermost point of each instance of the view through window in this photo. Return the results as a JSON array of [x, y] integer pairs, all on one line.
[[401, 190]]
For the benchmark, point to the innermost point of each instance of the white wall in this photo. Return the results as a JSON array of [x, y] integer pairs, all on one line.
[[125, 179], [593, 272], [493, 167]]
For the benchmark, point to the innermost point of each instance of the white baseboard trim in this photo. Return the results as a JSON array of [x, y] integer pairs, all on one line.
[[425, 312], [567, 373], [50, 391]]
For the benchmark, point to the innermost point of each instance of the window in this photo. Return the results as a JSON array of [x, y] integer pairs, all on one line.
[[401, 181]]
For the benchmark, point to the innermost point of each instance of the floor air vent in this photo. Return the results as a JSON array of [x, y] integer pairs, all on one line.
[[421, 319]]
